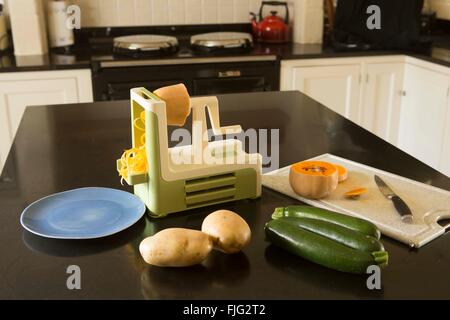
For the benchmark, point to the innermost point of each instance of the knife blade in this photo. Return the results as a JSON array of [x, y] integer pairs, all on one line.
[[400, 205]]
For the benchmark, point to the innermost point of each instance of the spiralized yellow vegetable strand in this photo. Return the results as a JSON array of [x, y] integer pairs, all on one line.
[[134, 160]]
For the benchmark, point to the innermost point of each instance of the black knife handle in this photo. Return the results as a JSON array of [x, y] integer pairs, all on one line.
[[401, 206]]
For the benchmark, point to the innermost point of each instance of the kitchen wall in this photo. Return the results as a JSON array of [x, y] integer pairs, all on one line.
[[308, 24], [164, 12], [306, 15], [442, 8], [100, 13]]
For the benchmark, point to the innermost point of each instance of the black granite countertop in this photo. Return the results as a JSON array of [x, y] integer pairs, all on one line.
[[52, 61], [58, 148], [83, 57]]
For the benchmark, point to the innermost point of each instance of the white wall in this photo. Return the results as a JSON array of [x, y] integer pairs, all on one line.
[[308, 26], [101, 13], [442, 7], [306, 15], [164, 12]]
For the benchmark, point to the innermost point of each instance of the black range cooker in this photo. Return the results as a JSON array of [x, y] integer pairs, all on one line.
[[209, 59]]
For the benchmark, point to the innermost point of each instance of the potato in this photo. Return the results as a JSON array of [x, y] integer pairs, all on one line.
[[176, 247], [230, 233]]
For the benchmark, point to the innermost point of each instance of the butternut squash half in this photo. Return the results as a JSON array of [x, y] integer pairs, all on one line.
[[313, 179]]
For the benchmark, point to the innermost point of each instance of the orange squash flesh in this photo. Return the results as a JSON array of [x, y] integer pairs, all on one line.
[[342, 173], [313, 179], [177, 101], [355, 192], [316, 168]]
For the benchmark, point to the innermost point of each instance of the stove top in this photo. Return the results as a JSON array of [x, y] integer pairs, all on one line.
[[106, 44], [222, 41], [144, 45]]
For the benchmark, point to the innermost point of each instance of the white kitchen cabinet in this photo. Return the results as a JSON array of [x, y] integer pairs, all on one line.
[[381, 99], [341, 84], [423, 115], [402, 99], [21, 89], [336, 87]]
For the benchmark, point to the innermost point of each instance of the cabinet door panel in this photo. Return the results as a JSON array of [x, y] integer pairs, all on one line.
[[17, 95], [382, 99], [336, 87], [423, 114]]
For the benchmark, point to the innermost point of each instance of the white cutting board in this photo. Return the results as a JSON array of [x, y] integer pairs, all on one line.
[[427, 203]]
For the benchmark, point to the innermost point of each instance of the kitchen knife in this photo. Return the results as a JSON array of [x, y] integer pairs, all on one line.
[[400, 205]]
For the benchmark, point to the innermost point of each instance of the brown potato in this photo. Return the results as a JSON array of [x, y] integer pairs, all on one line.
[[230, 233], [176, 247]]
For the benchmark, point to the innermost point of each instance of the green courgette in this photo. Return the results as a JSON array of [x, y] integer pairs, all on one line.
[[322, 250], [343, 220], [343, 235]]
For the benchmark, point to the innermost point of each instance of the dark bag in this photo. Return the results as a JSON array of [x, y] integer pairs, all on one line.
[[400, 23]]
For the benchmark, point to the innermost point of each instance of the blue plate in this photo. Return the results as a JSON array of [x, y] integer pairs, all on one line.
[[85, 213]]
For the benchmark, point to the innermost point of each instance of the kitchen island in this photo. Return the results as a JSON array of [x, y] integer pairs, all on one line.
[[64, 147]]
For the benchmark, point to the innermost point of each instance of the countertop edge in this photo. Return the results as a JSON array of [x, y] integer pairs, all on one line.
[[281, 56]]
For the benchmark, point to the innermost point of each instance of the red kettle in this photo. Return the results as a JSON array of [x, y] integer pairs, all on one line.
[[271, 29]]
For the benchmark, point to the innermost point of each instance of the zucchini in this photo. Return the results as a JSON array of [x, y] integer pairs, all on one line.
[[322, 250], [343, 235], [343, 220]]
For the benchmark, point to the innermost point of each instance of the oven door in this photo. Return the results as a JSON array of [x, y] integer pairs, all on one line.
[[114, 83], [121, 90], [207, 77], [253, 76], [230, 85]]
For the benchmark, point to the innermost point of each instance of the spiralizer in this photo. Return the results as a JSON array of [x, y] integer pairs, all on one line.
[[190, 176]]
